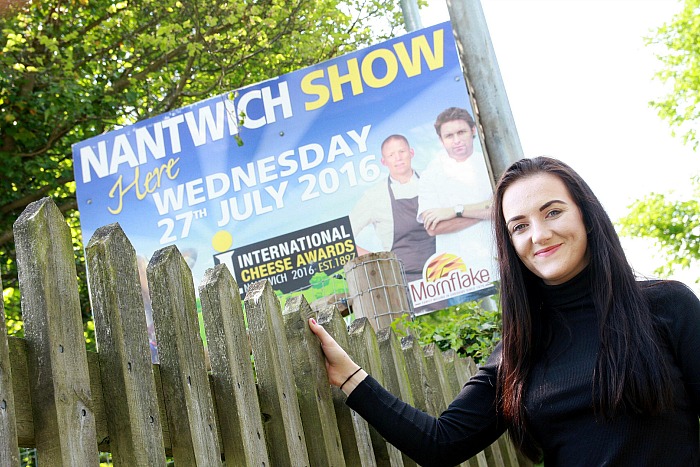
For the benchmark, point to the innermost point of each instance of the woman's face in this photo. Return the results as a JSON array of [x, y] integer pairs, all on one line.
[[546, 228]]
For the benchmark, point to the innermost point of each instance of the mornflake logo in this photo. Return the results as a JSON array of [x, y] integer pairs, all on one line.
[[451, 282]]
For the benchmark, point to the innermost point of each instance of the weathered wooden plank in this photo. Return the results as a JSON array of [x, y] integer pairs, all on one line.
[[448, 391], [9, 450], [64, 422], [354, 430], [498, 454], [394, 370], [451, 369], [435, 392], [240, 423], [416, 372], [19, 355], [131, 402], [276, 389], [186, 390], [447, 362], [314, 393], [364, 349], [19, 351]]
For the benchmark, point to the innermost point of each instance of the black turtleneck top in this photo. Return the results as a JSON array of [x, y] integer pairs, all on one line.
[[558, 396]]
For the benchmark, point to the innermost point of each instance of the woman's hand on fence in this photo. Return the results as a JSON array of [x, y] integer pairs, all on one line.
[[342, 371]]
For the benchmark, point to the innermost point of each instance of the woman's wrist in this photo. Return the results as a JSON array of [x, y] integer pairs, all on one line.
[[353, 381]]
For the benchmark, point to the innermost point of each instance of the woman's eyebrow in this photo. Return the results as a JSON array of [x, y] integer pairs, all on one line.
[[549, 203]]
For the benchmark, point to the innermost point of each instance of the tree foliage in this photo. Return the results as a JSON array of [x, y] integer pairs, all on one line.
[[674, 227], [73, 69], [678, 45]]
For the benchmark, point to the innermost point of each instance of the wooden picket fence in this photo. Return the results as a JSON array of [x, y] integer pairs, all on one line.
[[70, 404]]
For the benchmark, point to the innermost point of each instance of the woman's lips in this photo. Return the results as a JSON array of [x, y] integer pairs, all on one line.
[[547, 251]]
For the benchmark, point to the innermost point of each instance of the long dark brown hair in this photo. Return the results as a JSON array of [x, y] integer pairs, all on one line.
[[625, 378]]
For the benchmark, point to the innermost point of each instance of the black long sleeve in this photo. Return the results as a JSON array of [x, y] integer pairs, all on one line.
[[466, 427], [558, 395]]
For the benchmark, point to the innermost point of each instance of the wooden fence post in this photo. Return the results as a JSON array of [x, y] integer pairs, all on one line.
[[364, 349], [129, 387], [186, 389], [354, 430], [276, 389], [315, 399], [62, 409], [9, 451], [242, 433]]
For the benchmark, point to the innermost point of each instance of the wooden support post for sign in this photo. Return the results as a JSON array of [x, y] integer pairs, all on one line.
[[486, 87], [377, 288]]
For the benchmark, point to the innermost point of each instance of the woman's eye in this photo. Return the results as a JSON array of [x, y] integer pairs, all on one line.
[[554, 212], [518, 227]]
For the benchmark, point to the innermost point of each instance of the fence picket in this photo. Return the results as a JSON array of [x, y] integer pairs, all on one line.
[[62, 411], [353, 429], [437, 392], [394, 370], [315, 399], [9, 451], [125, 358], [364, 349], [278, 396], [242, 433], [416, 371], [186, 390]]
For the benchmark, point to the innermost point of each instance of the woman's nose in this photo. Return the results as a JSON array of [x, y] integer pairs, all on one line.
[[540, 232]]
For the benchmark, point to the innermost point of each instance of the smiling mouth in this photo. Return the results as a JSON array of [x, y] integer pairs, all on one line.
[[548, 250]]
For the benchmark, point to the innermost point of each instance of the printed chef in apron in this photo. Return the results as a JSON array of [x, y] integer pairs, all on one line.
[[411, 244]]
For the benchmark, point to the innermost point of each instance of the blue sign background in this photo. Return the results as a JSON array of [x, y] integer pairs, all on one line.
[[397, 87]]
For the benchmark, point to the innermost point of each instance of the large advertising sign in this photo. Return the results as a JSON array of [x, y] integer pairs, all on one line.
[[288, 179]]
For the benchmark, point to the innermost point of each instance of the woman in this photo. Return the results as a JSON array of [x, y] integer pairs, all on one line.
[[594, 368]]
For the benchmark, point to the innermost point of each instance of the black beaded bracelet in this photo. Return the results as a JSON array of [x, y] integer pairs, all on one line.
[[353, 374]]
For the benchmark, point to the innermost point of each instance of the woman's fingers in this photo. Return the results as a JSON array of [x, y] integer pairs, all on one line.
[[338, 364], [320, 332]]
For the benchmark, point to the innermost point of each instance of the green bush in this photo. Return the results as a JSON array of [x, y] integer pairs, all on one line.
[[469, 328]]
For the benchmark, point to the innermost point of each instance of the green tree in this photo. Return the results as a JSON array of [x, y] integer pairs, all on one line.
[[73, 69], [674, 225], [678, 45]]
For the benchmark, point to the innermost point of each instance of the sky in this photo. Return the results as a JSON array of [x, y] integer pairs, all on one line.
[[579, 78]]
